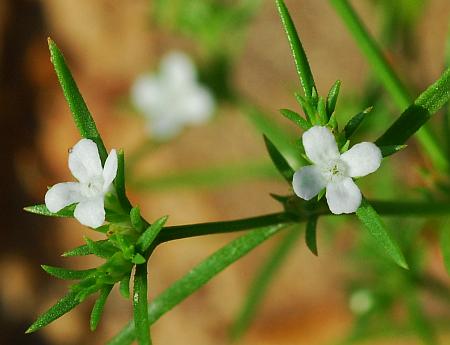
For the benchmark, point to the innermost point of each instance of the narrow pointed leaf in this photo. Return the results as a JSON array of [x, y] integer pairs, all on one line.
[[80, 112], [99, 305], [310, 235], [85, 249], [277, 136], [296, 118], [140, 306], [300, 59], [119, 182], [42, 210], [63, 306], [418, 113], [101, 249], [136, 219], [391, 149], [67, 274], [198, 277], [261, 283], [373, 223], [280, 162], [354, 123], [149, 235], [333, 97], [322, 111], [308, 109]]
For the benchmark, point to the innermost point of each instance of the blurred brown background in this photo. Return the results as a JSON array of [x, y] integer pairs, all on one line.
[[107, 43]]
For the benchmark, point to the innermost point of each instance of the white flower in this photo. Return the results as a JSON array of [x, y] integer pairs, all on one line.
[[89, 192], [172, 98], [334, 171]]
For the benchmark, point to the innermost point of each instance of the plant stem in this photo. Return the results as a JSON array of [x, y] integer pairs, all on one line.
[[388, 77], [384, 208], [191, 230], [140, 306]]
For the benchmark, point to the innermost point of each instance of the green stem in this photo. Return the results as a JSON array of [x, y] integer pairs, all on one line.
[[388, 77], [191, 230], [384, 208], [140, 306]]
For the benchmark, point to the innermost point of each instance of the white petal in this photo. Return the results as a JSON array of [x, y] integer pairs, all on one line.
[[198, 105], [62, 195], [362, 159], [178, 69], [84, 161], [110, 170], [320, 145], [146, 93], [343, 196], [90, 212], [308, 182]]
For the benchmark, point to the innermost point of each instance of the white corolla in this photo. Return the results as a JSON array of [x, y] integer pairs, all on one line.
[[334, 171], [94, 181], [172, 98]]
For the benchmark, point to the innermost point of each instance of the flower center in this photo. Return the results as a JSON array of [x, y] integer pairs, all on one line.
[[92, 188], [336, 170]]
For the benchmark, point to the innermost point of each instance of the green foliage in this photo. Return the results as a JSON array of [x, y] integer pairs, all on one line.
[[262, 281], [149, 235], [279, 161], [78, 107], [296, 118], [63, 306], [99, 305], [140, 311], [198, 277], [354, 123], [332, 97], [310, 234], [373, 223], [418, 113], [42, 210], [300, 59], [63, 273]]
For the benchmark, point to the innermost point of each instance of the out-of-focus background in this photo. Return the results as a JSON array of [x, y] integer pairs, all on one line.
[[108, 44]]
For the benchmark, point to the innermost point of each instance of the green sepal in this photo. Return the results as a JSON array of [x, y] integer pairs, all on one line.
[[296, 118], [376, 228], [80, 112], [149, 235], [97, 309], [136, 219], [68, 274], [391, 149], [279, 161], [332, 123], [354, 123], [333, 97], [63, 306], [344, 147], [66, 212], [310, 234]]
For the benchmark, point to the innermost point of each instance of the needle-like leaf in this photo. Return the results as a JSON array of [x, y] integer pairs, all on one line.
[[80, 112], [373, 223], [279, 161], [300, 59], [67, 274], [99, 305], [198, 277]]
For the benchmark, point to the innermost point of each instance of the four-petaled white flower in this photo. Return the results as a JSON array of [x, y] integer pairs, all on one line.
[[89, 192], [172, 98], [334, 171]]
